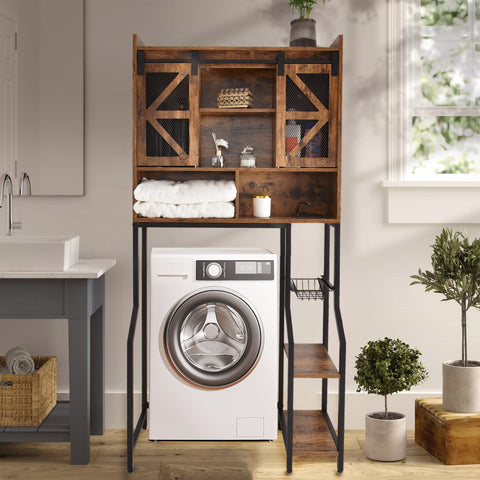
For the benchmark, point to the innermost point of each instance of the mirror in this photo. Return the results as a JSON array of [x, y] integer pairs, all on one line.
[[43, 94]]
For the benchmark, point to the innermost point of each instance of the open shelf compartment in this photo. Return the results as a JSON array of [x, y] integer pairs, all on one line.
[[311, 435], [312, 361]]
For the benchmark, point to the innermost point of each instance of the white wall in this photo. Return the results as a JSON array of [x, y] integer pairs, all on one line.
[[377, 258]]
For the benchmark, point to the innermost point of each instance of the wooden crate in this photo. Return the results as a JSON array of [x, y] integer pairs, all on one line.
[[452, 438]]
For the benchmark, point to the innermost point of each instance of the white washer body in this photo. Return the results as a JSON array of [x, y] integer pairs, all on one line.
[[197, 299]]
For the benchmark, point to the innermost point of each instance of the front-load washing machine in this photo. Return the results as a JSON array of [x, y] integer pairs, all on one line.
[[214, 343]]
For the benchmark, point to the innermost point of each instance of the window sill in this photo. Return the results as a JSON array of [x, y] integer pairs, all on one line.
[[443, 201]]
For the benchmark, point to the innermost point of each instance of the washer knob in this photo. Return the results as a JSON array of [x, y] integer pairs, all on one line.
[[213, 270]]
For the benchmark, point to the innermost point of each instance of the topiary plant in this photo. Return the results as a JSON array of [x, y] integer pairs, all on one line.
[[455, 274], [304, 7], [388, 366]]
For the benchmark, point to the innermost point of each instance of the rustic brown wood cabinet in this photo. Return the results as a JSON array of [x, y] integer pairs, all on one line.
[[294, 125], [294, 90]]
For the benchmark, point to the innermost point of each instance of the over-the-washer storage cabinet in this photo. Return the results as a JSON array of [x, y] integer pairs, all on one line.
[[293, 123]]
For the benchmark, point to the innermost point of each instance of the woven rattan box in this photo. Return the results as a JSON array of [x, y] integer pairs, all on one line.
[[26, 400]]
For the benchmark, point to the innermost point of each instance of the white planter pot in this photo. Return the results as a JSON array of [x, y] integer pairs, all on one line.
[[461, 387], [386, 439]]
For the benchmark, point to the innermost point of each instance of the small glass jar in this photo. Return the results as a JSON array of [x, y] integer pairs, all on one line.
[[262, 205], [247, 160], [217, 161]]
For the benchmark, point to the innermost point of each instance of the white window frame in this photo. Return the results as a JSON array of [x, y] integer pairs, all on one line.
[[443, 199]]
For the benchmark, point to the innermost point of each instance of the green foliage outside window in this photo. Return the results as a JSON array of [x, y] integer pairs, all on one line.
[[443, 12], [449, 143]]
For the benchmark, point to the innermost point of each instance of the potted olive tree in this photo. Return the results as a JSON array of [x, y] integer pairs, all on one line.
[[385, 367], [456, 275], [302, 29]]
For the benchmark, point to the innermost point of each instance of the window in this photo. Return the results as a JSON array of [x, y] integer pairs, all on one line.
[[441, 74], [434, 111], [444, 130]]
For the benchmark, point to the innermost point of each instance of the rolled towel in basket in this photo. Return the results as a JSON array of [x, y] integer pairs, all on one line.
[[18, 360], [3, 383]]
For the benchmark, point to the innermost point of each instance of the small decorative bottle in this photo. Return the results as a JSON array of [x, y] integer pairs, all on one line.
[[217, 160]]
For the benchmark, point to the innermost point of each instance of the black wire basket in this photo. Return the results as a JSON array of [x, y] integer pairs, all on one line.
[[308, 288]]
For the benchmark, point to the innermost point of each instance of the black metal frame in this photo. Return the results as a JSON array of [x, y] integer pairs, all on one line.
[[280, 61], [133, 431]]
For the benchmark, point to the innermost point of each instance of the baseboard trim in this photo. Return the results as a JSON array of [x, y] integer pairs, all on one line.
[[356, 406]]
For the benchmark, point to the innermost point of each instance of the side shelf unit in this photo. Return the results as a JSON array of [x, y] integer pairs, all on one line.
[[294, 126], [311, 432]]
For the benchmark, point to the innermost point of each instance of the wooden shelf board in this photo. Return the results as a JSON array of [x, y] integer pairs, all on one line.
[[193, 169], [236, 111], [238, 220], [311, 435], [312, 361]]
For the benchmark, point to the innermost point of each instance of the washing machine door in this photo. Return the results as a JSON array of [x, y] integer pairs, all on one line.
[[213, 338]]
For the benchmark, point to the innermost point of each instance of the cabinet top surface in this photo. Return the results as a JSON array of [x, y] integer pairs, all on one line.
[[336, 45], [85, 268]]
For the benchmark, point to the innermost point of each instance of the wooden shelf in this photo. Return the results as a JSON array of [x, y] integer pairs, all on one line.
[[274, 220], [311, 435], [312, 361], [236, 111]]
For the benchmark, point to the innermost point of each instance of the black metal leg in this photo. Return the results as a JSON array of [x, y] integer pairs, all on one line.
[[291, 349], [281, 327], [144, 324], [342, 354], [131, 336], [326, 308]]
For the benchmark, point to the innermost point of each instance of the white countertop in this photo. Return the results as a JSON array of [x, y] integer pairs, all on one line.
[[85, 268]]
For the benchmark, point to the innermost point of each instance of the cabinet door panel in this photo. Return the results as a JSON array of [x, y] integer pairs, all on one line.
[[307, 116], [167, 118]]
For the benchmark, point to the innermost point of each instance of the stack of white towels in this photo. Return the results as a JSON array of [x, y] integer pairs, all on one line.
[[190, 199]]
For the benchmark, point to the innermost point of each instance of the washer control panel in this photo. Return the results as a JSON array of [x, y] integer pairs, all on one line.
[[234, 269]]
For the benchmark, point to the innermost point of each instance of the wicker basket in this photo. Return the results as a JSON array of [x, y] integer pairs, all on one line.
[[31, 397]]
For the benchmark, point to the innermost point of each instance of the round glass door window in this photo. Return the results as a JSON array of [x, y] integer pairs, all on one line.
[[213, 338]]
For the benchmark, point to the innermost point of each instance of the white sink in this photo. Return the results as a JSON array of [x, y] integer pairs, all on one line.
[[38, 253]]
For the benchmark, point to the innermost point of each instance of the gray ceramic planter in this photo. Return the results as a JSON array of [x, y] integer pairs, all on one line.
[[386, 439], [303, 33], [461, 387]]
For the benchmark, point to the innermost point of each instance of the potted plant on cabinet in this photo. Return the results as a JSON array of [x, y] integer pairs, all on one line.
[[302, 29], [385, 367], [456, 275]]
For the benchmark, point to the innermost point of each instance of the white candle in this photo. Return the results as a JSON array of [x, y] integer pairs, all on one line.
[[261, 206]]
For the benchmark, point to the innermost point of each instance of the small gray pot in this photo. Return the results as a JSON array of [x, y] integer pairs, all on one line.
[[303, 33], [461, 387], [386, 439]]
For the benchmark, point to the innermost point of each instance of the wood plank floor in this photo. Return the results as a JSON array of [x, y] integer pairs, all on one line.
[[213, 461]]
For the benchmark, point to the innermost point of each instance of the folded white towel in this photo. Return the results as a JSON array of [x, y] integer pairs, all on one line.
[[181, 193], [18, 360], [196, 210]]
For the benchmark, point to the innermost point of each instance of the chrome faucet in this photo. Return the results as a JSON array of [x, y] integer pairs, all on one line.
[[25, 185], [6, 189]]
